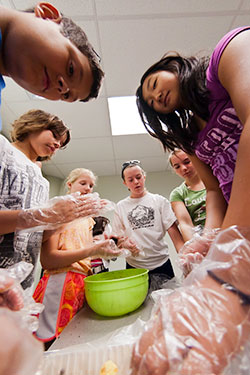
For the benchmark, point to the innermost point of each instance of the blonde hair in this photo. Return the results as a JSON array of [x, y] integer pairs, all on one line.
[[37, 120], [76, 173]]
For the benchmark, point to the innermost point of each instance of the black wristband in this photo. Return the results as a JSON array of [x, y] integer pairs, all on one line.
[[244, 298]]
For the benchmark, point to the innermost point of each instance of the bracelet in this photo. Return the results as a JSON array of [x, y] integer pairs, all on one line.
[[244, 298]]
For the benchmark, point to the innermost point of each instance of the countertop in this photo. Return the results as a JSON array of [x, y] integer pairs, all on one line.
[[87, 326]]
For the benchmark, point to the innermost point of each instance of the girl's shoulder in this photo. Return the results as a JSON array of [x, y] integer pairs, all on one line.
[[4, 140], [218, 50]]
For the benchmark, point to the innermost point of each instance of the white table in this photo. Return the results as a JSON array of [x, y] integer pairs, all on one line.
[[87, 326]]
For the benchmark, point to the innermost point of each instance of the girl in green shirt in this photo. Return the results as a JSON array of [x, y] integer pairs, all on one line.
[[189, 199]]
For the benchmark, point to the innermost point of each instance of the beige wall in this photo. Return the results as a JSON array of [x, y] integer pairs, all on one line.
[[55, 186], [111, 187]]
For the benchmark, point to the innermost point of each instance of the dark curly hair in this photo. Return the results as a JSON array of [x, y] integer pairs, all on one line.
[[178, 129]]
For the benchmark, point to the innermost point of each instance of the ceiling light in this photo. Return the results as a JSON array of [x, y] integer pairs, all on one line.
[[124, 116]]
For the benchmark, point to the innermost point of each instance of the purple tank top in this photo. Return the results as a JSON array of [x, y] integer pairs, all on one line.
[[217, 143]]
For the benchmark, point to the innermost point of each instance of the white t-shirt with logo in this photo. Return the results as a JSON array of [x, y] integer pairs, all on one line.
[[22, 185], [145, 220]]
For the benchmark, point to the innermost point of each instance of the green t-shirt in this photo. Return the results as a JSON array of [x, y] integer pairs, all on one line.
[[195, 202]]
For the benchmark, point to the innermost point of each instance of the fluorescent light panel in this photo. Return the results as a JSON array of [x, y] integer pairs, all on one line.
[[124, 116]]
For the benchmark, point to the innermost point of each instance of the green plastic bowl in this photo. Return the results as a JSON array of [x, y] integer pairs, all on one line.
[[116, 293]]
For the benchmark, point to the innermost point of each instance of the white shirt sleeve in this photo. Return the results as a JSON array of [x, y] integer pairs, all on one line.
[[168, 216], [117, 224]]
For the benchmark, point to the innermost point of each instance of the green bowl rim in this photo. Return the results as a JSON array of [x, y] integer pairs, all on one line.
[[146, 271]]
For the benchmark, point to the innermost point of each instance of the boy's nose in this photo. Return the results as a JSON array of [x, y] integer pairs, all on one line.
[[62, 85]]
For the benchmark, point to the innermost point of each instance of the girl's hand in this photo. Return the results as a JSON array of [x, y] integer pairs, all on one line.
[[194, 250], [11, 294], [196, 330], [58, 211], [129, 244], [106, 249], [20, 352]]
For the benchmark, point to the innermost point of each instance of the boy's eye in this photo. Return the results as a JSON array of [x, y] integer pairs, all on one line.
[[154, 84], [71, 69]]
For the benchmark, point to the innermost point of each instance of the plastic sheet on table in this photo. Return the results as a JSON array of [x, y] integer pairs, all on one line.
[[88, 358]]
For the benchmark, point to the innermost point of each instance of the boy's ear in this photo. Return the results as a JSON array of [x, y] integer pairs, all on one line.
[[48, 11]]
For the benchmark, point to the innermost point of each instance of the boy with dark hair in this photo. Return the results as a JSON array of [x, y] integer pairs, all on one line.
[[48, 55]]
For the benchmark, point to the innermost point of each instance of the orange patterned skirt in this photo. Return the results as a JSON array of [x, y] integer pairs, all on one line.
[[62, 295]]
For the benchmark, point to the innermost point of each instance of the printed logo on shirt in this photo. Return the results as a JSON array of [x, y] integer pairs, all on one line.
[[192, 202], [141, 217]]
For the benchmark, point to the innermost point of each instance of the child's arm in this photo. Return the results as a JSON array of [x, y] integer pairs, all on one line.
[[56, 212], [184, 220], [51, 257], [215, 203], [176, 237], [8, 221]]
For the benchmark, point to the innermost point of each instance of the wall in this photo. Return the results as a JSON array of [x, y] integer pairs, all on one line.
[[56, 185]]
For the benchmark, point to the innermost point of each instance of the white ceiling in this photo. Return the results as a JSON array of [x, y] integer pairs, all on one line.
[[129, 35]]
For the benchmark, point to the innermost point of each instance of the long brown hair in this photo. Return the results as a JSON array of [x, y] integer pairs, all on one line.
[[178, 129]]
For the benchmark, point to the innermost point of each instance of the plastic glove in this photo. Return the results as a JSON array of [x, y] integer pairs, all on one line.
[[194, 250], [194, 331], [106, 249], [20, 352], [60, 210], [15, 298], [11, 294], [129, 244], [198, 329]]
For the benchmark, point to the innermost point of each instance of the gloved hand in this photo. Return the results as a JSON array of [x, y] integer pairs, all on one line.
[[11, 293], [60, 210], [199, 328], [20, 352], [129, 244], [194, 250], [105, 249]]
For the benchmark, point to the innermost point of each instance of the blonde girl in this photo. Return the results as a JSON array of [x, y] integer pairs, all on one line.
[[66, 258]]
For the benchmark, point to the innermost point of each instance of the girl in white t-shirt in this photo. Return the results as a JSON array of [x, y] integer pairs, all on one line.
[[146, 218]]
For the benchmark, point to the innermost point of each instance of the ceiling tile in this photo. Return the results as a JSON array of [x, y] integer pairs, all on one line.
[[163, 7], [85, 149], [70, 8], [139, 145], [153, 38]]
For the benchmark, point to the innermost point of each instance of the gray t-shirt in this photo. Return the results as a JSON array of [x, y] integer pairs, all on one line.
[[21, 186]]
